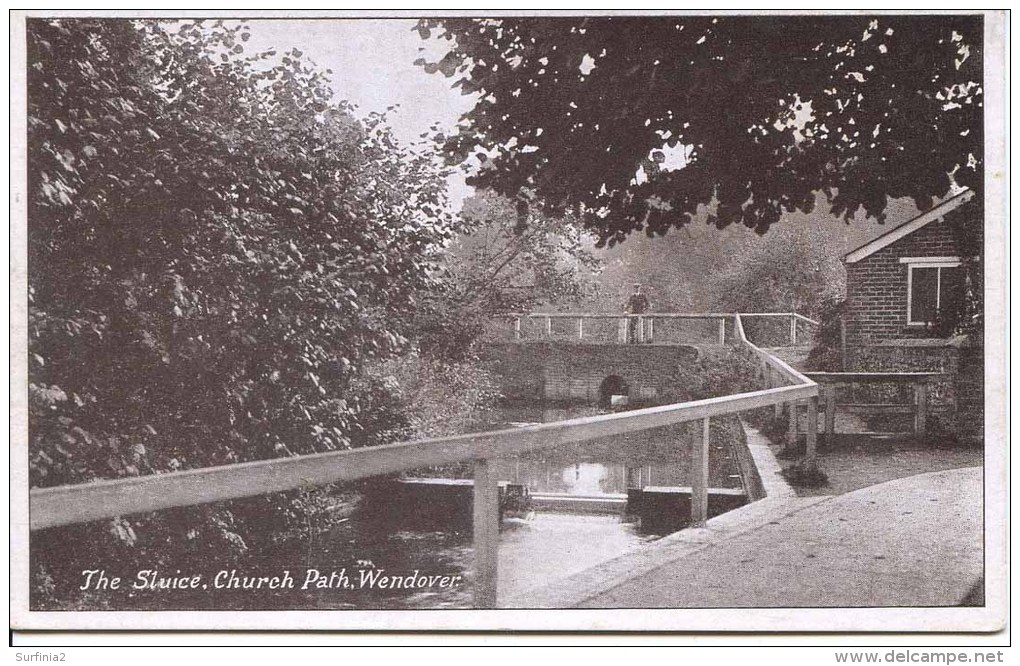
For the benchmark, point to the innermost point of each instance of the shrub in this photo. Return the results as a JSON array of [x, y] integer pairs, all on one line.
[[714, 372], [219, 254], [827, 354], [805, 476]]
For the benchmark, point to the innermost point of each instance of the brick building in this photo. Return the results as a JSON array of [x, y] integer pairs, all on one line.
[[905, 297]]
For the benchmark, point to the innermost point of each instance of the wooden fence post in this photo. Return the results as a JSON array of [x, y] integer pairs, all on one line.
[[548, 327], [580, 328], [699, 476], [793, 330], [651, 330], [812, 432], [486, 534], [722, 331], [920, 408], [842, 343], [517, 328], [830, 411], [791, 433], [779, 406], [772, 383]]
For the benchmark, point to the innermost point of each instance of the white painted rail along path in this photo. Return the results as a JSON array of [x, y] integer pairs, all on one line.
[[65, 505], [579, 326], [918, 408]]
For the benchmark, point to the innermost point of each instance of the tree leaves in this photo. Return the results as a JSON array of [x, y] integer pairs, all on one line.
[[220, 253], [198, 225], [769, 110], [497, 265]]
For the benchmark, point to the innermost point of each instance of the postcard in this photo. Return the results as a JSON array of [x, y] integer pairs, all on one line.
[[496, 321]]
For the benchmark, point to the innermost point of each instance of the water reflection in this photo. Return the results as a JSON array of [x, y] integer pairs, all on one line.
[[535, 549], [599, 478], [608, 465], [585, 479]]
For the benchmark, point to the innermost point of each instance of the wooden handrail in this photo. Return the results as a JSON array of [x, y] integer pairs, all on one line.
[[618, 315], [81, 503], [657, 315], [777, 363], [646, 322], [65, 505], [772, 363], [806, 319], [849, 377]]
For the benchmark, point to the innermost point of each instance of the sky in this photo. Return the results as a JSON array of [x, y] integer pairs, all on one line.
[[373, 67], [372, 63]]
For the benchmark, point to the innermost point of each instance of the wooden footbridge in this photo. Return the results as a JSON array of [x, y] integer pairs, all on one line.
[[781, 387]]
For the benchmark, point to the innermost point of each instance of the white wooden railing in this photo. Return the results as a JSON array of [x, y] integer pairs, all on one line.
[[639, 328], [774, 371], [919, 383], [66, 505]]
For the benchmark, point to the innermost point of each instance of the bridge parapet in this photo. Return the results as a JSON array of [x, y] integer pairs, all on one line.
[[646, 328]]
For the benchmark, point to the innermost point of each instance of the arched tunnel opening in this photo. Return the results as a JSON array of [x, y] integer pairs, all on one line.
[[610, 386]]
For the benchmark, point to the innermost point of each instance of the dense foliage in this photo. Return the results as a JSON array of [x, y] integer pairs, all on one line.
[[795, 266], [502, 265], [597, 114], [218, 249], [791, 269], [713, 372], [494, 266]]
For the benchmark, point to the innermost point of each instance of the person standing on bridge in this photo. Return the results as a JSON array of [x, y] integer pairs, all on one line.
[[637, 304]]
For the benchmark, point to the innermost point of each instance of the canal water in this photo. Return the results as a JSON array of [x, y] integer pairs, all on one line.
[[656, 457], [535, 549]]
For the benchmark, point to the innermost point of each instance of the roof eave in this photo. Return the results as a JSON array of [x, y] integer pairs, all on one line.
[[907, 228]]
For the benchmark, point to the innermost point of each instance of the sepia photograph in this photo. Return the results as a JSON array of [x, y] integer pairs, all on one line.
[[553, 321]]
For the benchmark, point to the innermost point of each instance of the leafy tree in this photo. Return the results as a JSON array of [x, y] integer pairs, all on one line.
[[794, 268], [505, 265], [703, 269], [598, 114], [442, 397], [218, 249], [495, 265], [678, 272]]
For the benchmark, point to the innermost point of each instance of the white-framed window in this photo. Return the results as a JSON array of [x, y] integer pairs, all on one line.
[[933, 283]]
